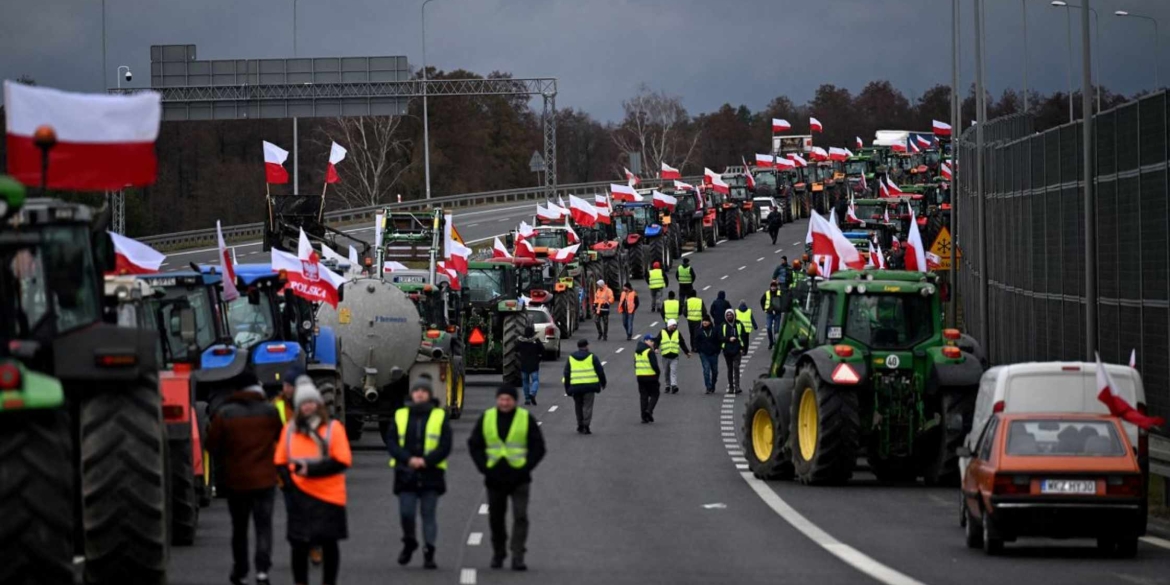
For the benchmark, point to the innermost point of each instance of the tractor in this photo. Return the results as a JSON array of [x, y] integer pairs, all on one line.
[[571, 283], [743, 218], [287, 215], [694, 219], [601, 240], [494, 315], [646, 237], [863, 365]]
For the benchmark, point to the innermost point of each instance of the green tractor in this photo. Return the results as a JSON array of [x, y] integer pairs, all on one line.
[[84, 457], [864, 366], [495, 317]]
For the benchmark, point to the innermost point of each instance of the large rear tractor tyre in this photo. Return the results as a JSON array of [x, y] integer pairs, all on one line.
[[958, 412], [656, 252], [764, 435], [123, 485], [634, 261], [826, 430], [184, 501], [562, 314], [613, 276], [329, 385], [36, 498], [513, 330]]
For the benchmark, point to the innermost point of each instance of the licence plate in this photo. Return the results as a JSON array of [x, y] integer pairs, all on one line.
[[1068, 486]]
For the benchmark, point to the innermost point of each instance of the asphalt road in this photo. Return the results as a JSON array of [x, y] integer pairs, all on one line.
[[672, 502]]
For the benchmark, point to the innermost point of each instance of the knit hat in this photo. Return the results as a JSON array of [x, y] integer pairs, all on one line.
[[423, 383], [671, 322], [728, 312], [306, 392], [506, 389], [647, 337], [600, 282], [582, 343]]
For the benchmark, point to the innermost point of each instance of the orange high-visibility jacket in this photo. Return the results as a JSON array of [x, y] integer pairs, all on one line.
[[299, 446]]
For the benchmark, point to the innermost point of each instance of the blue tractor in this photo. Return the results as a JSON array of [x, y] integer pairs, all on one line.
[[645, 235]]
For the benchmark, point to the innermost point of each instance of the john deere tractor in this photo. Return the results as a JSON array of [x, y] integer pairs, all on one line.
[[863, 366], [495, 317]]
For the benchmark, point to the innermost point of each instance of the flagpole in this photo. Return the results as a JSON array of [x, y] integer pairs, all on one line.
[[321, 211], [268, 198]]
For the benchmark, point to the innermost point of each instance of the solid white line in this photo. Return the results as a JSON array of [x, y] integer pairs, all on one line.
[[620, 349], [471, 225], [553, 408], [724, 277], [483, 509], [846, 553], [1154, 540], [707, 287], [467, 577], [474, 538], [503, 219]]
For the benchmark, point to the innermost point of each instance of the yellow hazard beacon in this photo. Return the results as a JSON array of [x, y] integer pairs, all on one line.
[[941, 249]]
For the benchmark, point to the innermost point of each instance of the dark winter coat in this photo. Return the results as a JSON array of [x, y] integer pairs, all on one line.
[[774, 220], [776, 306], [707, 341], [584, 388], [727, 331], [719, 306], [531, 351], [503, 476], [312, 520], [243, 437], [429, 478], [653, 358]]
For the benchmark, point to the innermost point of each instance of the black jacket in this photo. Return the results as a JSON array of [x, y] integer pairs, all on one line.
[[584, 388], [504, 476], [653, 359], [728, 331], [429, 478], [682, 342], [719, 306], [774, 220], [707, 341], [776, 306], [531, 351]]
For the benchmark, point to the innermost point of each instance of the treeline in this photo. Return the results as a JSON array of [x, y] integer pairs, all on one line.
[[214, 170]]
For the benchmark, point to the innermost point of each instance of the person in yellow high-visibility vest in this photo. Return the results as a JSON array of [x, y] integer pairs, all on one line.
[[584, 378], [419, 442], [670, 343], [506, 445], [695, 312], [646, 371], [671, 307], [686, 278], [744, 315], [658, 281]]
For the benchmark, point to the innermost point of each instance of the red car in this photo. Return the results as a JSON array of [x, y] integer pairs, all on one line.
[[1053, 475]]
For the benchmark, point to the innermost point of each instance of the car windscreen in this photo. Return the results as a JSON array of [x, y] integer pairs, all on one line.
[[889, 321], [549, 239], [1064, 438], [856, 167]]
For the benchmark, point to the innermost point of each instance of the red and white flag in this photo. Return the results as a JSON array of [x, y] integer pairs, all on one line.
[[799, 160], [1117, 404], [456, 253], [839, 154], [547, 213], [940, 128], [582, 211], [764, 161], [307, 278], [524, 249], [561, 210], [780, 125], [913, 145], [681, 186], [602, 206], [452, 274], [814, 125], [827, 240], [134, 257], [785, 163], [923, 141], [851, 212], [862, 182], [748, 178], [274, 157], [336, 154], [600, 200], [886, 215], [563, 255], [893, 189], [524, 231], [227, 267], [819, 153], [859, 143], [622, 192], [631, 179], [104, 142], [392, 265], [669, 172], [915, 259], [945, 169], [664, 201], [1133, 358], [876, 260], [498, 249], [882, 190], [719, 186], [898, 147], [709, 175]]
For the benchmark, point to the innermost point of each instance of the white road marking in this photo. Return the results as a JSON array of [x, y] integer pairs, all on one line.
[[474, 538], [685, 254], [471, 224], [729, 434], [741, 466], [707, 287], [846, 553], [715, 506], [467, 577], [741, 267], [760, 259], [1154, 540], [724, 277], [735, 453], [78, 559], [502, 220], [795, 243], [778, 250], [727, 428], [654, 324], [253, 253], [483, 509], [603, 363], [553, 408], [721, 241], [620, 349], [739, 459]]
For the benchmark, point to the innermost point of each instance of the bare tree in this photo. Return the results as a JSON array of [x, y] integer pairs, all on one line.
[[657, 125], [378, 156]]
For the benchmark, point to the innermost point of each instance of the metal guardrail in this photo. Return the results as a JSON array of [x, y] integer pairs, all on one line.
[[235, 233], [1160, 463]]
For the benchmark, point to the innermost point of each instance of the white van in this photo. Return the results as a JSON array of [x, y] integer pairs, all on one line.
[[1053, 387]]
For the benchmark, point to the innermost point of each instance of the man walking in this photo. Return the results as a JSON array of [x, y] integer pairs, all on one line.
[[627, 306], [602, 299], [708, 344], [671, 308], [718, 307], [745, 317], [782, 274], [686, 279], [243, 436], [584, 378], [531, 351], [506, 445], [646, 371], [772, 302], [670, 342], [695, 314], [419, 442], [774, 223], [658, 281], [733, 338]]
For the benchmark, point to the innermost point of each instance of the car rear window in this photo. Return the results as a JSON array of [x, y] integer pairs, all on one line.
[[1064, 438], [538, 317]]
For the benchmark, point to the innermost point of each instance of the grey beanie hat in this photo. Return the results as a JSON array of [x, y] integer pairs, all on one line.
[[423, 383], [306, 392]]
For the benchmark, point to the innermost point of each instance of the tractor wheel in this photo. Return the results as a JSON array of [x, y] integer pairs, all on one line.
[[764, 435], [561, 310], [697, 230], [634, 261], [826, 427], [184, 501], [613, 275], [513, 331], [958, 411], [454, 398], [656, 252], [36, 498], [123, 485], [331, 393]]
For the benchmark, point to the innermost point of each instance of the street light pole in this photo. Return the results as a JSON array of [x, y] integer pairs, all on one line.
[[426, 125], [956, 129], [980, 207], [1155, 21], [1024, 10], [1096, 42], [1090, 195], [1068, 23]]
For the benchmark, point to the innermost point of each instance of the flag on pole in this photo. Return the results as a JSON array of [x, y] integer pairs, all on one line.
[[1118, 406], [814, 125], [799, 160], [945, 170], [838, 154], [828, 240], [524, 249], [307, 278], [336, 154], [859, 143], [893, 189], [563, 255], [669, 172], [227, 266], [582, 211], [940, 128], [780, 125], [274, 157], [923, 141], [134, 257], [1133, 358], [498, 249], [622, 192], [455, 252], [631, 178], [663, 201], [915, 259], [764, 161]]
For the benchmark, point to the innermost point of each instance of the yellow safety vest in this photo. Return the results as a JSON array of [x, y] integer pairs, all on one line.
[[581, 372], [669, 342], [768, 299], [694, 309], [279, 404], [434, 431], [514, 449], [657, 280], [670, 308], [642, 363], [686, 275], [745, 319]]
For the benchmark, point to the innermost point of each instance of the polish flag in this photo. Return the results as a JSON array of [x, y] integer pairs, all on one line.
[[859, 143], [876, 260], [884, 192], [827, 240], [525, 231], [391, 266], [582, 211], [814, 125], [851, 212], [886, 215], [603, 216], [779, 125], [719, 186], [134, 257], [819, 153], [600, 200], [498, 249], [898, 147], [765, 161], [709, 176], [839, 154], [563, 255], [747, 174], [524, 249], [664, 201], [799, 160], [1117, 404], [307, 278], [924, 142], [893, 189], [915, 252], [104, 142], [681, 186], [862, 183], [785, 163], [631, 178], [457, 254], [669, 172], [274, 157], [622, 192], [1133, 358], [945, 168], [547, 213], [560, 209], [940, 128], [336, 154], [913, 146], [227, 267], [452, 275]]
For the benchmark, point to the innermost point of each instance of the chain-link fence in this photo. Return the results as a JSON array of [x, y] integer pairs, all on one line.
[[1035, 241]]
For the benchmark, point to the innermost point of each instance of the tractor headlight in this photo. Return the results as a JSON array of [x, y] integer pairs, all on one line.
[[306, 325], [848, 288], [927, 291], [861, 289]]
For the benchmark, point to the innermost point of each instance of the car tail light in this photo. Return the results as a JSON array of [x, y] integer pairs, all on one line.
[[1070, 368], [951, 334], [550, 331], [277, 348], [844, 351], [172, 412], [510, 304], [116, 360], [221, 351], [845, 374], [12, 401], [9, 377], [1124, 485], [433, 333], [998, 407], [952, 352], [476, 337], [1012, 485]]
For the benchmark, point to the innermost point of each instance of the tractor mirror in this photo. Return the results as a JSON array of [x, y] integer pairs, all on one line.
[[103, 252], [186, 317]]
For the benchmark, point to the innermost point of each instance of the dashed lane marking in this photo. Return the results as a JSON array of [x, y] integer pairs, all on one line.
[[724, 277], [474, 538], [741, 466], [795, 243], [502, 220], [471, 225], [685, 254], [553, 408], [603, 363], [721, 241], [654, 324], [735, 453], [741, 267], [778, 250], [760, 259], [467, 577], [1154, 540], [620, 349], [707, 287], [739, 459], [483, 509]]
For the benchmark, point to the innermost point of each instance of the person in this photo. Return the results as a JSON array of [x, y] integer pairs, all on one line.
[[419, 443], [686, 279], [602, 299], [775, 220], [670, 343], [583, 378], [744, 315], [311, 458], [627, 306], [531, 351], [506, 445], [695, 314], [783, 274], [671, 308], [733, 339], [646, 371], [284, 401], [772, 302], [719, 306], [658, 281], [708, 344], [897, 260], [243, 437]]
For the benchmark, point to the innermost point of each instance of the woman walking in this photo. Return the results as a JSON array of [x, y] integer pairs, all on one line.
[[311, 458]]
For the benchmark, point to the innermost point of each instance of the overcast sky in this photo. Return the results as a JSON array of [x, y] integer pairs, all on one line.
[[706, 51]]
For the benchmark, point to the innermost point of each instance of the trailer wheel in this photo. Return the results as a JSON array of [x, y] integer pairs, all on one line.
[[184, 501], [826, 426], [513, 330]]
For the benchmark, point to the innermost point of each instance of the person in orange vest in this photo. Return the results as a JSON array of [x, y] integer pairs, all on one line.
[[602, 300], [311, 459], [627, 306]]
